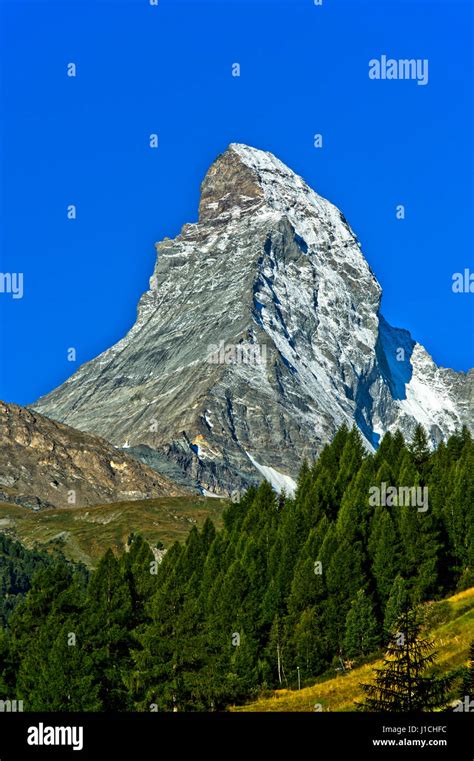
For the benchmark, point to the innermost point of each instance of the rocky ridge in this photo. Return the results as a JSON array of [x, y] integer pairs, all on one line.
[[47, 464]]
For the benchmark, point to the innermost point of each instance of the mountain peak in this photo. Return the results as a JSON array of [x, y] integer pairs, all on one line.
[[273, 266], [260, 160], [244, 178], [230, 182]]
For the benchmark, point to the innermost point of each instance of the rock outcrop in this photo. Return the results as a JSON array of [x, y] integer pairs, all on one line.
[[48, 464]]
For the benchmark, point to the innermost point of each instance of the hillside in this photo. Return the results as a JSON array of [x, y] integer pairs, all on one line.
[[47, 464], [85, 533], [452, 637]]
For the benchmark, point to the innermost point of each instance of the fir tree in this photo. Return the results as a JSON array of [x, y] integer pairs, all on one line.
[[345, 576], [362, 634], [7, 668], [419, 448], [310, 644], [107, 632], [136, 566], [384, 546], [397, 602], [419, 534], [402, 684]]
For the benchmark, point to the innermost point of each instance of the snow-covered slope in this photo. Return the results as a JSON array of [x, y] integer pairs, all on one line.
[[273, 268]]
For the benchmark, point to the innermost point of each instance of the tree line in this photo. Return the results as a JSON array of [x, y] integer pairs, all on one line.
[[288, 589]]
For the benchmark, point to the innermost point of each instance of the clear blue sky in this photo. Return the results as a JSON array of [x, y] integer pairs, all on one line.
[[167, 69]]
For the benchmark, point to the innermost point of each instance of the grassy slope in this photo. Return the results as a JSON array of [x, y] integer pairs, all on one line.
[[85, 533], [451, 639]]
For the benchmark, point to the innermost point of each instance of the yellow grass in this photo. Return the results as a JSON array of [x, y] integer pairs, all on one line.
[[341, 693]]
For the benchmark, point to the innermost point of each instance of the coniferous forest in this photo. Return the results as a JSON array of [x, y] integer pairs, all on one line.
[[287, 590]]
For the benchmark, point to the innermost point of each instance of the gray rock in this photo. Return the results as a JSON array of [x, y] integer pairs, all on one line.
[[271, 272]]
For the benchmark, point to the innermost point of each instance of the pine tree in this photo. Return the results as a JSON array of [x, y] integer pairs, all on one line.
[[345, 576], [152, 680], [402, 683], [307, 587], [56, 673], [420, 539], [384, 546], [287, 546], [107, 632], [310, 644], [354, 514], [460, 515], [362, 634], [7, 668], [384, 450], [396, 453], [419, 448], [304, 480], [351, 459], [136, 566], [397, 602], [275, 654]]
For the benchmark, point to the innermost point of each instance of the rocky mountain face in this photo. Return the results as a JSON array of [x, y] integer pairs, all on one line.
[[259, 336], [48, 464]]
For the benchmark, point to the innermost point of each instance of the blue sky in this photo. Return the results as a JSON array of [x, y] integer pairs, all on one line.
[[168, 70]]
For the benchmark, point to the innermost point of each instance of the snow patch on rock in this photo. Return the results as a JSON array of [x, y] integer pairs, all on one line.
[[279, 481]]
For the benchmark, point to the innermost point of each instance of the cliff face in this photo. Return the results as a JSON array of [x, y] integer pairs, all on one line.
[[259, 336], [48, 464]]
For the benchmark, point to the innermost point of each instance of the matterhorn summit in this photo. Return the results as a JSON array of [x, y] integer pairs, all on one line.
[[259, 336]]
